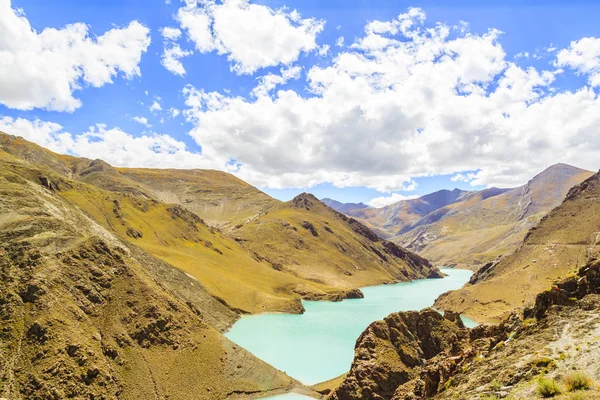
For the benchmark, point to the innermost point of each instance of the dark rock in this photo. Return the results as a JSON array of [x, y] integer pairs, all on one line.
[[133, 233], [310, 227]]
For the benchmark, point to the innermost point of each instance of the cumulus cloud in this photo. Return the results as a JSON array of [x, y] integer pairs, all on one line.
[[112, 145], [584, 57], [379, 202], [253, 36], [43, 69], [406, 99], [172, 52]]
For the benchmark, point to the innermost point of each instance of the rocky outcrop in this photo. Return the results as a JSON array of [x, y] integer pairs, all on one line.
[[422, 355], [393, 352]]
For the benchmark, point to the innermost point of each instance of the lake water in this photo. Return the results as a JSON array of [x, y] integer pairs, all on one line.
[[319, 345]]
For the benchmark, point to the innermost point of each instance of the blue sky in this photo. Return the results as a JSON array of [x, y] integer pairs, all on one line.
[[533, 35]]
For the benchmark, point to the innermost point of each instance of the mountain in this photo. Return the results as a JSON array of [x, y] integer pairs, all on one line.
[[307, 239], [426, 355], [86, 314], [469, 229], [344, 208], [252, 265], [564, 240], [391, 219], [220, 198]]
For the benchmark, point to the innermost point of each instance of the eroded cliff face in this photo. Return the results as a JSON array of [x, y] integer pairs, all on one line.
[[423, 355]]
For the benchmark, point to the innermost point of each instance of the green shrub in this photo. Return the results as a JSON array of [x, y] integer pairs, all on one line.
[[577, 380], [489, 397], [577, 396], [548, 387], [495, 385]]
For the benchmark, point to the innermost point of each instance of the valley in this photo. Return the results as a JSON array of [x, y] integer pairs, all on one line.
[[168, 275]]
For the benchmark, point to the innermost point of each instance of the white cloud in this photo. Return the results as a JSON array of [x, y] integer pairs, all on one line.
[[253, 36], [340, 42], [42, 70], [172, 52], [269, 82], [155, 106], [324, 50], [170, 33], [174, 112], [143, 121], [114, 146], [406, 100], [379, 202], [584, 57]]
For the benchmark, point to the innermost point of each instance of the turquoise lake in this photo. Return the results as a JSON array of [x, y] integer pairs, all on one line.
[[319, 345]]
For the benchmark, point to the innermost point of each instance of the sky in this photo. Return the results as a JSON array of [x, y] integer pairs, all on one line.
[[370, 101]]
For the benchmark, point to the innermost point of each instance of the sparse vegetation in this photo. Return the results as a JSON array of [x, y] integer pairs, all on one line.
[[577, 380], [495, 385], [489, 397], [577, 396], [547, 387]]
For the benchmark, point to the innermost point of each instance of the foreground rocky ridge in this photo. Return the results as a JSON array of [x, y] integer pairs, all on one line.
[[424, 355]]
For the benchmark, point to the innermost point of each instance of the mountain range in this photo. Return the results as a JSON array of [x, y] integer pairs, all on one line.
[[119, 282], [471, 228], [115, 285]]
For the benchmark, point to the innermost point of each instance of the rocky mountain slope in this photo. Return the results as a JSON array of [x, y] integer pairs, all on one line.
[[424, 355], [253, 265], [469, 229], [306, 239], [564, 240], [84, 314]]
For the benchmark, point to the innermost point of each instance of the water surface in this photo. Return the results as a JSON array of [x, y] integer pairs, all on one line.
[[319, 345]]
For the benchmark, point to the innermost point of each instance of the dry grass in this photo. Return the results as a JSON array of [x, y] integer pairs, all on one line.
[[547, 387], [577, 380]]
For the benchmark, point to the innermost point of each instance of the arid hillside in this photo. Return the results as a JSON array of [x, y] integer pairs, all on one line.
[[248, 271], [564, 240], [87, 315]]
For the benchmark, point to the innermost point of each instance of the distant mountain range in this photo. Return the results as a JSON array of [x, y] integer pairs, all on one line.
[[470, 228], [343, 207]]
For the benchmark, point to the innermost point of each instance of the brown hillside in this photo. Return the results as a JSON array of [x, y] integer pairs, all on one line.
[[562, 242], [220, 198], [83, 316], [469, 229], [307, 239], [264, 268]]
